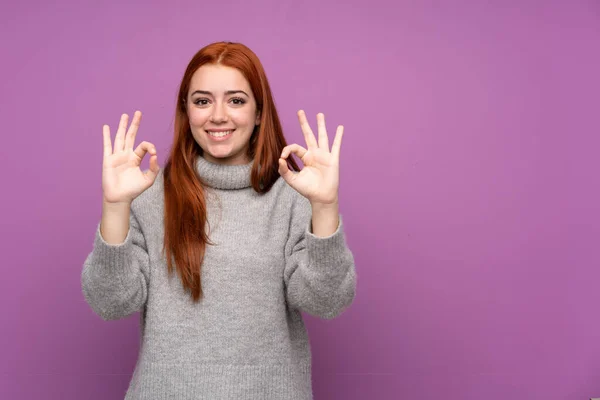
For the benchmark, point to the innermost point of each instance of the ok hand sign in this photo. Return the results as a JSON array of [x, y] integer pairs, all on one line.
[[319, 180], [122, 178]]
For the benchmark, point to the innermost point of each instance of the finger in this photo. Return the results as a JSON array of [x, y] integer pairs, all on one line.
[[143, 148], [120, 136], [132, 132], [107, 144], [298, 150], [337, 142], [309, 136], [323, 139], [285, 172]]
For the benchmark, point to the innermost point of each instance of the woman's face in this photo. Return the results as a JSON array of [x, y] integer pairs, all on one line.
[[222, 113]]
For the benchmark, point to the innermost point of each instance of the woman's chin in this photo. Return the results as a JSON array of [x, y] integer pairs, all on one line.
[[225, 158]]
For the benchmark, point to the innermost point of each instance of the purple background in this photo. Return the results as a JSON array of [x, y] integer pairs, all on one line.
[[469, 184]]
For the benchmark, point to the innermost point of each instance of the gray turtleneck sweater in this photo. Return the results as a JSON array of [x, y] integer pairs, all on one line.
[[246, 338]]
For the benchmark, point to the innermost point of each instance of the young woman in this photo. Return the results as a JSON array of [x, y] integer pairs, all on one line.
[[223, 248]]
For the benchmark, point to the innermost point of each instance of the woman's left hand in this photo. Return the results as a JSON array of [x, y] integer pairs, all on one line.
[[319, 180]]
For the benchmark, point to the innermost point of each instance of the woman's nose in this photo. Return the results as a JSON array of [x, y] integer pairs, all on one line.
[[218, 114]]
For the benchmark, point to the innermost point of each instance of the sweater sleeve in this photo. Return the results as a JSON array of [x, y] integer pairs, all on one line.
[[115, 278], [319, 275]]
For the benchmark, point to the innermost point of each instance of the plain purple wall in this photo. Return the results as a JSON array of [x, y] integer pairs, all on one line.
[[469, 183]]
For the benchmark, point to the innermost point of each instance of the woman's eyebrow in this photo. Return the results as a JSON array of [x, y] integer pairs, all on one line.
[[206, 92]]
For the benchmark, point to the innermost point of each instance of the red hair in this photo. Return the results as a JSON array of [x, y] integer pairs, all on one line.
[[185, 204]]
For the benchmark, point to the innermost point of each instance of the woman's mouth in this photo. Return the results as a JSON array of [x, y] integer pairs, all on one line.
[[219, 135]]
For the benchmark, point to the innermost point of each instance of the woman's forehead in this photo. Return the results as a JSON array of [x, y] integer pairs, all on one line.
[[218, 79]]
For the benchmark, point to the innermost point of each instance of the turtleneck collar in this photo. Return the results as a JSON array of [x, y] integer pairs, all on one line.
[[221, 176]]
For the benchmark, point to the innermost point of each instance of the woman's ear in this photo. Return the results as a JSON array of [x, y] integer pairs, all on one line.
[[257, 121]]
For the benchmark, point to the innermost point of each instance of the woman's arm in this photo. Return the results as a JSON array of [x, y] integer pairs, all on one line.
[[115, 277], [320, 275]]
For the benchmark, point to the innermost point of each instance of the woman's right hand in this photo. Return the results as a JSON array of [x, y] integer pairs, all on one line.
[[122, 178]]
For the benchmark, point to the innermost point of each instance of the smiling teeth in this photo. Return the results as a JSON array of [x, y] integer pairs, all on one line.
[[219, 134]]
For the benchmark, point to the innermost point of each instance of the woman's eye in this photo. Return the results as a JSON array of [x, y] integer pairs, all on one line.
[[238, 100], [201, 102]]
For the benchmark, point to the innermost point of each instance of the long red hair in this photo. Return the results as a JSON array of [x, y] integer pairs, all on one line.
[[185, 203]]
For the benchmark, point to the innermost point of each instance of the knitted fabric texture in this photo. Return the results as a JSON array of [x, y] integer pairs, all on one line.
[[246, 338]]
